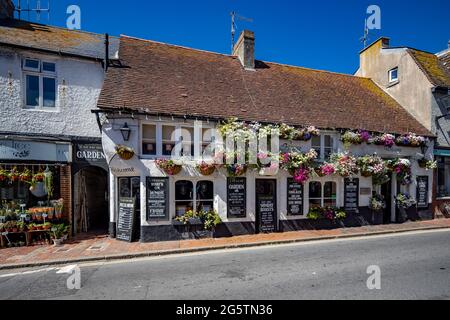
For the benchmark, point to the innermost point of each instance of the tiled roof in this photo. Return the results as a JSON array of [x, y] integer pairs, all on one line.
[[167, 79], [59, 40], [437, 69]]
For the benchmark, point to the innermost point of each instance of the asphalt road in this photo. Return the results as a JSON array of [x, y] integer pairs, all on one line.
[[412, 266]]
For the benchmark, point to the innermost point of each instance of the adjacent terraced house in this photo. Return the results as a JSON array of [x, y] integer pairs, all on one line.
[[420, 82]]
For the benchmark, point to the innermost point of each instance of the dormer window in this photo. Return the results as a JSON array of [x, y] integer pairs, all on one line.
[[393, 75]]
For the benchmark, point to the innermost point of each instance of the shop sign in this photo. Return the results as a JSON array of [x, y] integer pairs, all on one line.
[[236, 197], [266, 206], [294, 197], [90, 153], [32, 150], [351, 194], [157, 198], [422, 192]]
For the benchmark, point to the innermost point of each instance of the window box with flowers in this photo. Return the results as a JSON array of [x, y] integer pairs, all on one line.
[[358, 137], [327, 217], [411, 140], [386, 139]]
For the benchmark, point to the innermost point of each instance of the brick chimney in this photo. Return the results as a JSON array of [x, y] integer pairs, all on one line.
[[6, 9], [244, 49]]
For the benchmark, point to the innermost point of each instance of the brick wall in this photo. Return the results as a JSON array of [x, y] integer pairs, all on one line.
[[6, 9], [66, 192]]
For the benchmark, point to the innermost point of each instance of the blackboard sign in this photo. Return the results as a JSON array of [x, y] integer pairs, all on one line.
[[294, 198], [266, 210], [236, 197], [157, 198], [266, 205], [422, 192], [351, 194], [125, 219]]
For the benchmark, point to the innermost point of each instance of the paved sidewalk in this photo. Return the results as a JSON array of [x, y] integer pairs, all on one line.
[[93, 248]]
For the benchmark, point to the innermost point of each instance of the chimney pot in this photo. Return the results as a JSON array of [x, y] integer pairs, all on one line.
[[244, 49]]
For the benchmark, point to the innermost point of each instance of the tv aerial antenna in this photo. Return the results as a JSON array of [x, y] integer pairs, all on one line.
[[365, 38], [38, 9], [234, 17]]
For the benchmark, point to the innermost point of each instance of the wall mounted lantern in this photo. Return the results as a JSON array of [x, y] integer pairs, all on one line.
[[125, 131]]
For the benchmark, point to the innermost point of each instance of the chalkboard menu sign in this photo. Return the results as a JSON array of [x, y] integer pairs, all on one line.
[[351, 196], [125, 219], [294, 198], [266, 210], [236, 197], [157, 198], [422, 192]]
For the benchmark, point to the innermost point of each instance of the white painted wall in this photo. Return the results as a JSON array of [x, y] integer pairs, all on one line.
[[144, 167], [79, 83]]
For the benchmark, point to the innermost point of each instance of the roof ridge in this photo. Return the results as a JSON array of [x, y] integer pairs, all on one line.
[[231, 56], [176, 45], [58, 27]]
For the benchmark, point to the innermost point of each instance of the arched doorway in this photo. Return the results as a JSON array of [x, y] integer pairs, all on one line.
[[91, 210]]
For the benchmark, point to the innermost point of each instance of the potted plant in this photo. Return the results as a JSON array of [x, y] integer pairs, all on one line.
[[377, 205], [169, 166], [124, 152], [58, 232], [404, 203]]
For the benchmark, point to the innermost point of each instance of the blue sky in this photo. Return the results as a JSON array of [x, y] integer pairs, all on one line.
[[315, 34]]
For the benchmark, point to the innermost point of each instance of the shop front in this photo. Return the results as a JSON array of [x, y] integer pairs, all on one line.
[[441, 201], [35, 190]]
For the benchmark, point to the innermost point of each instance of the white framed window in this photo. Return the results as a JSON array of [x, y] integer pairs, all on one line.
[[159, 139], [324, 144], [322, 194], [187, 197], [40, 86], [149, 139], [393, 75]]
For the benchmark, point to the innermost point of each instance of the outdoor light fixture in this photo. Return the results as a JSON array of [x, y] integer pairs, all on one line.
[[125, 131]]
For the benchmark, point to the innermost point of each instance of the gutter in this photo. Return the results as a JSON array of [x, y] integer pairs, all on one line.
[[60, 53]]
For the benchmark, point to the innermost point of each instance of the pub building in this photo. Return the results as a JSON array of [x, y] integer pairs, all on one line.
[[160, 88]]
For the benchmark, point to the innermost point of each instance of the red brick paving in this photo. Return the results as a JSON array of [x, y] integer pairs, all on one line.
[[81, 247]]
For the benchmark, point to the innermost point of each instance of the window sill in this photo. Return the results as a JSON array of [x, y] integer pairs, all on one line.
[[41, 109], [443, 198], [393, 83]]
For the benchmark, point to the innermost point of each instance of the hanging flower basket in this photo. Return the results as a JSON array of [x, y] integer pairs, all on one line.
[[169, 166], [124, 152], [26, 176], [39, 177], [206, 169], [411, 140], [236, 170]]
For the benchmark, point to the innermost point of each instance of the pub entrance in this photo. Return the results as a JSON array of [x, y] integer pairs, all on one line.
[[386, 192], [266, 206]]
